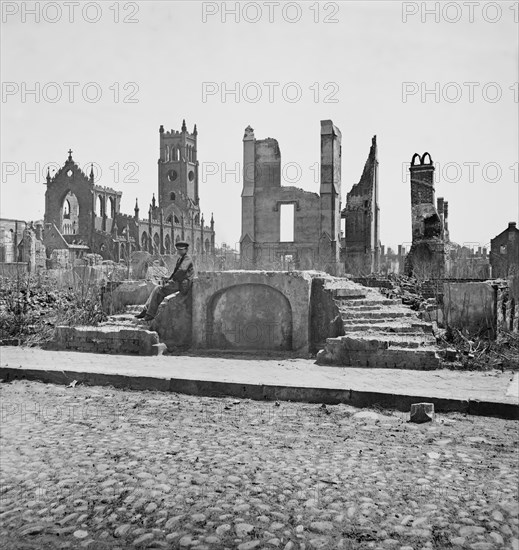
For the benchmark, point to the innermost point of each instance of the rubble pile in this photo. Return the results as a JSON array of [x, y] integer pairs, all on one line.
[[31, 307], [419, 295], [481, 353]]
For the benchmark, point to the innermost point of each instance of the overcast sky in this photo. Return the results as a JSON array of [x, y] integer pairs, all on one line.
[[362, 64]]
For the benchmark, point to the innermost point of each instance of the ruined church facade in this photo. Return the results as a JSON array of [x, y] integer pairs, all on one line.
[[82, 217]]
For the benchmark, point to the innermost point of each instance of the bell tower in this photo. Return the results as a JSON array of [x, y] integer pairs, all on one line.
[[178, 166]]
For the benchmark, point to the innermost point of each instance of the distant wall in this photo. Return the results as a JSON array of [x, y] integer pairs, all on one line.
[[508, 305], [13, 269]]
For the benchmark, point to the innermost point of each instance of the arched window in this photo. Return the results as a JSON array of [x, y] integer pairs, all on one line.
[[198, 245], [167, 244], [207, 245], [176, 220], [144, 240], [166, 153], [66, 210], [172, 196], [178, 153], [112, 207], [156, 242], [100, 206], [70, 214]]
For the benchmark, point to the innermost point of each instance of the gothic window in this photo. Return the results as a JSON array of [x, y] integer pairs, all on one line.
[[166, 153], [172, 196], [144, 240], [66, 210], [198, 246], [100, 206], [176, 220], [112, 207], [167, 244], [207, 245]]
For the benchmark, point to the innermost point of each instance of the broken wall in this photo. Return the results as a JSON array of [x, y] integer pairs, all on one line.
[[471, 307], [508, 305], [362, 224], [316, 226]]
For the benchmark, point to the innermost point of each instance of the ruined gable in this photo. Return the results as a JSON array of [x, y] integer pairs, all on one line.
[[361, 214]]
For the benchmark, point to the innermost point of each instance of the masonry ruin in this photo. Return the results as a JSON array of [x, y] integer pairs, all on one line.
[[82, 217], [316, 239], [426, 258], [362, 220], [285, 291]]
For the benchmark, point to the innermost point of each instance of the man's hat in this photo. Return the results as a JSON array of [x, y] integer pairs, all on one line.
[[181, 244]]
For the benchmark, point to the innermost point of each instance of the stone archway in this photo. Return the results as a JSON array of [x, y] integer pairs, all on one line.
[[249, 316]]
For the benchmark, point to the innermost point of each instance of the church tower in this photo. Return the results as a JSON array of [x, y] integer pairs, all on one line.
[[178, 166]]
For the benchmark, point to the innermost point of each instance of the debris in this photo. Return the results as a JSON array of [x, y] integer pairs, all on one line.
[[422, 412], [72, 384]]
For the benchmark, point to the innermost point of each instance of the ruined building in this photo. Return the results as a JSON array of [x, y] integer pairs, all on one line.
[[362, 223], [82, 217], [426, 258], [21, 244], [504, 252], [314, 242]]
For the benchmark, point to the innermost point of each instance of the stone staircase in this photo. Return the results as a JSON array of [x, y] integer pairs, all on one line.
[[379, 333]]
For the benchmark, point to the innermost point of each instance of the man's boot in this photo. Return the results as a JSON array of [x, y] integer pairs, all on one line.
[[142, 314]]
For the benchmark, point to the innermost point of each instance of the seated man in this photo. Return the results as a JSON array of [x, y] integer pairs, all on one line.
[[180, 279]]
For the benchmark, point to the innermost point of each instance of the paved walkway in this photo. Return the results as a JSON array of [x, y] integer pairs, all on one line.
[[309, 382]]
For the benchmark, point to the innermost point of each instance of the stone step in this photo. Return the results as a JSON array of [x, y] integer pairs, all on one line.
[[117, 339], [409, 340], [368, 302], [385, 313], [133, 310], [375, 325], [391, 357], [350, 293], [360, 308]]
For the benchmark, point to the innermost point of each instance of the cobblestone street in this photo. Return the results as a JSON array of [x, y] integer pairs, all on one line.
[[98, 468]]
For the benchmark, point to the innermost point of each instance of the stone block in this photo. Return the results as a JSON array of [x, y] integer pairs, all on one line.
[[422, 412]]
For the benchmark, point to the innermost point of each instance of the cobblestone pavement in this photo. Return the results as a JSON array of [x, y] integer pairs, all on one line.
[[98, 468]]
